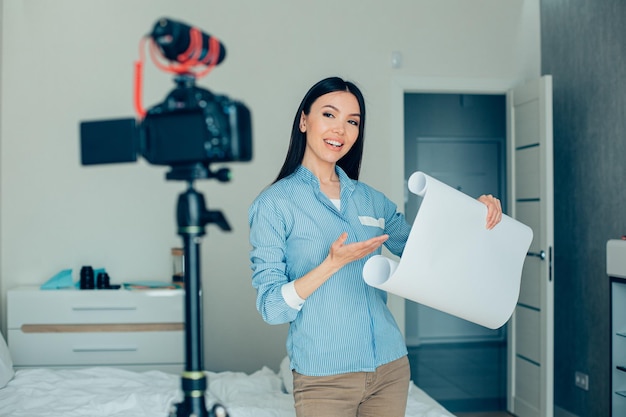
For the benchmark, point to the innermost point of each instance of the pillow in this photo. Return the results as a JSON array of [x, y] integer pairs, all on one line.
[[6, 364], [286, 376]]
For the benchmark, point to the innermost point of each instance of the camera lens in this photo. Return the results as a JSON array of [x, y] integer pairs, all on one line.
[[102, 281], [86, 278]]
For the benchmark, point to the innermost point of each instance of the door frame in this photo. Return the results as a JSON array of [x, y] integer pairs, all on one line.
[[428, 85]]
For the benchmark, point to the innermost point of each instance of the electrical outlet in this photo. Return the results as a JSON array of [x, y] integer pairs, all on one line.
[[582, 381]]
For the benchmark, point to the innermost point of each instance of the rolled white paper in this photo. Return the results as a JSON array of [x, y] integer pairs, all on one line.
[[451, 262]]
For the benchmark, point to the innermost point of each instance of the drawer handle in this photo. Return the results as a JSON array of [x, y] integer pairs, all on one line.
[[103, 308], [102, 327], [105, 349]]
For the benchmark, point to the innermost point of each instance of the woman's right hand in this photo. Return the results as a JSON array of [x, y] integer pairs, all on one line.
[[341, 254]]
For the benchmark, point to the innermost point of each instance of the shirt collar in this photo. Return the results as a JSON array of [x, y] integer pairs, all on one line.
[[347, 184]]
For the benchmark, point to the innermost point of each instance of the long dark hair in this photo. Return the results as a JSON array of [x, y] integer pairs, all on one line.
[[351, 162]]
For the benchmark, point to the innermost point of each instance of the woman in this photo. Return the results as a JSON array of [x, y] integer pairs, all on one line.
[[311, 232]]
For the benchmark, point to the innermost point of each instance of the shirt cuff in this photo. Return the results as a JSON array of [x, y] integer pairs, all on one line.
[[291, 296]]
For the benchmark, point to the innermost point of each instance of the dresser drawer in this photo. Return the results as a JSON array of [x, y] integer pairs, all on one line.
[[97, 348], [94, 306]]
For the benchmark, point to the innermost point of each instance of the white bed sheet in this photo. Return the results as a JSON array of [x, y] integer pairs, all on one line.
[[113, 392]]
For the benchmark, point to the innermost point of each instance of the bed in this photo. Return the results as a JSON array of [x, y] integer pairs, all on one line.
[[114, 392]]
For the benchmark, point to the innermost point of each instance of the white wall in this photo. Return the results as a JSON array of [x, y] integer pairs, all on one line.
[[64, 61]]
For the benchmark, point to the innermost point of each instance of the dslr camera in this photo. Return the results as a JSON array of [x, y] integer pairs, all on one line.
[[190, 129]]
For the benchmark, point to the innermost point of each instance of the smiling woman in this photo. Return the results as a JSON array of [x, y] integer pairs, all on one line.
[[309, 248], [311, 233]]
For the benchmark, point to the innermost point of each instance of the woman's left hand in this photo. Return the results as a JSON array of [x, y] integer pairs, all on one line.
[[494, 210]]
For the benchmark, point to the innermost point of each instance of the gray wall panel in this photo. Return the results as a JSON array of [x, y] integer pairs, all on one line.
[[584, 48]]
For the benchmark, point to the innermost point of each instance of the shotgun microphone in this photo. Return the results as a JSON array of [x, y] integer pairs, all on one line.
[[184, 44]]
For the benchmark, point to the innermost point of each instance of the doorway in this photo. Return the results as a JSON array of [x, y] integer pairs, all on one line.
[[459, 139]]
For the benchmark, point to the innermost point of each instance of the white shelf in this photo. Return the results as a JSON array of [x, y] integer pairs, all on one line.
[[616, 258], [616, 271], [122, 328]]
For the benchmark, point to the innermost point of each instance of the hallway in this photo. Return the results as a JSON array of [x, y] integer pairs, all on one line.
[[467, 377]]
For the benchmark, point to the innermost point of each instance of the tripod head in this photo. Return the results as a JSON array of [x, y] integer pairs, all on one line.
[[196, 171]]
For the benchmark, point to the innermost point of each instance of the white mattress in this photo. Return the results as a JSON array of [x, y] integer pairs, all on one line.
[[113, 392]]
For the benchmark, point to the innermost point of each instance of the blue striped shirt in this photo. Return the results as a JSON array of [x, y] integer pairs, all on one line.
[[345, 325]]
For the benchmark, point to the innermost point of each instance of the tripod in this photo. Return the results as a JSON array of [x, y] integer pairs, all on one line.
[[192, 217]]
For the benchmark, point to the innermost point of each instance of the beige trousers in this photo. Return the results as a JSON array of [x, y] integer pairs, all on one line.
[[382, 393]]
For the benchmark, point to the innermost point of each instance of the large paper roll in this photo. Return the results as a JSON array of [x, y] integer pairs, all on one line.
[[451, 262]]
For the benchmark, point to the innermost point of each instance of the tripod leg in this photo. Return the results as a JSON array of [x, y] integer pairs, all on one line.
[[192, 217], [194, 381]]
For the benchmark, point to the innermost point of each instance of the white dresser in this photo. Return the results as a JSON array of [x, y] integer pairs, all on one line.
[[131, 329], [616, 270]]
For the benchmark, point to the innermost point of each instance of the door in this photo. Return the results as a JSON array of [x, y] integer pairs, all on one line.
[[531, 337]]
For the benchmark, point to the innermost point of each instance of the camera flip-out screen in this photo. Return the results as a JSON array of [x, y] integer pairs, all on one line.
[[108, 141]]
